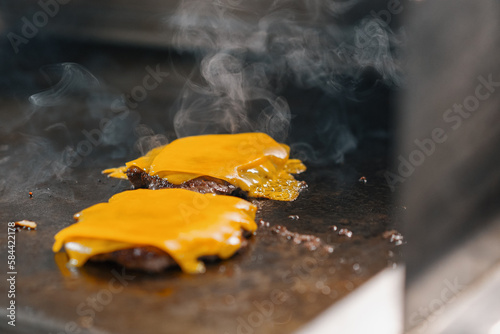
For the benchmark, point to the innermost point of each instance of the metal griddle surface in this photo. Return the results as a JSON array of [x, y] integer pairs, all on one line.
[[275, 286]]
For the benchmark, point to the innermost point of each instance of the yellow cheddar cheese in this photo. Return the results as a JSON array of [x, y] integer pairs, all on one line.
[[254, 162], [185, 224]]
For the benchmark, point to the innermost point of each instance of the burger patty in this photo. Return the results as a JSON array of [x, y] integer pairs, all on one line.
[[203, 184], [149, 258]]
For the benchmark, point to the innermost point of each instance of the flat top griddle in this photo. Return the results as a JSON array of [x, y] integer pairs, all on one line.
[[274, 286]]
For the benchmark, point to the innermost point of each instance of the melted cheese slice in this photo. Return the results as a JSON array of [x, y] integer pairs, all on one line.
[[253, 162], [183, 223]]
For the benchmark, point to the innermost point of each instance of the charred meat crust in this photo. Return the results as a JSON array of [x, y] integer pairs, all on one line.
[[145, 258], [149, 258], [203, 184]]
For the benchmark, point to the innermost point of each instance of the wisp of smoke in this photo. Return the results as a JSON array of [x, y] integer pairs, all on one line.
[[250, 52], [73, 81]]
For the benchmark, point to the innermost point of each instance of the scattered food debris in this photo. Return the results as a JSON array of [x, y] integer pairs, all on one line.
[[346, 232], [30, 194], [25, 224], [310, 241], [295, 217], [393, 236], [334, 228], [363, 179], [328, 248], [263, 223]]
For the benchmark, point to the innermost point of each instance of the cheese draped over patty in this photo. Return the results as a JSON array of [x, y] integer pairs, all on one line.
[[254, 162], [185, 224]]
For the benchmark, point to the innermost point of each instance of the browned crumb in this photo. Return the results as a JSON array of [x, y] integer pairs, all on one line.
[[346, 232], [25, 224], [263, 223], [310, 241], [393, 236]]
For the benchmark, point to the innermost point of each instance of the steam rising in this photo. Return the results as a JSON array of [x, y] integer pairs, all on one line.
[[223, 104], [71, 124], [78, 103], [251, 51], [74, 80], [250, 55]]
